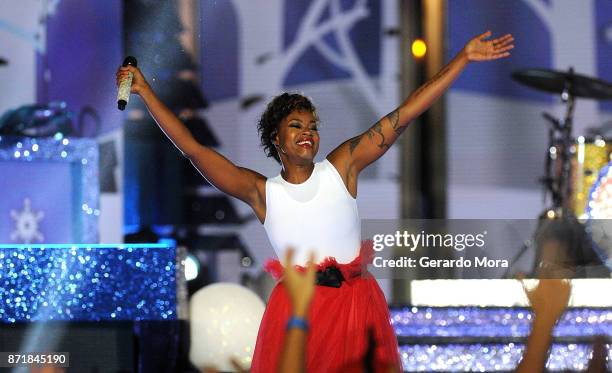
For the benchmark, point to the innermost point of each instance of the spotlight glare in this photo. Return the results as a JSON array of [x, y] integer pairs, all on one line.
[[192, 267], [419, 48]]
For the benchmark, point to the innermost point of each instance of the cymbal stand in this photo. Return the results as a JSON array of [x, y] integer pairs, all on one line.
[[560, 132], [567, 97], [548, 181]]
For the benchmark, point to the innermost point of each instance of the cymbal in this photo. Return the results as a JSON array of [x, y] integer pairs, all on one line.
[[555, 82]]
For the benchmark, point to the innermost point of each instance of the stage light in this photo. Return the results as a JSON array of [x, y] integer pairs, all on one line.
[[419, 48], [587, 292], [192, 267]]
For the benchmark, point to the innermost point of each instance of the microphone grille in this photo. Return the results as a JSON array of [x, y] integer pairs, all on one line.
[[130, 60]]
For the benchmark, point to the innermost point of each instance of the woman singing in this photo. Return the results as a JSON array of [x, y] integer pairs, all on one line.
[[311, 207]]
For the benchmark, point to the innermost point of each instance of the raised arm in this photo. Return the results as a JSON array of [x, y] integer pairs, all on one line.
[[357, 153], [548, 302], [300, 288], [236, 181]]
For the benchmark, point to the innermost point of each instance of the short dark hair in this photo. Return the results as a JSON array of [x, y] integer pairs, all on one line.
[[277, 110]]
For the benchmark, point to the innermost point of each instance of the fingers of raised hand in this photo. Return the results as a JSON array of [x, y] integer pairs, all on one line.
[[127, 68], [497, 56], [484, 35], [311, 270], [121, 76], [499, 50], [502, 49], [503, 44], [503, 39], [565, 288], [528, 293], [288, 261]]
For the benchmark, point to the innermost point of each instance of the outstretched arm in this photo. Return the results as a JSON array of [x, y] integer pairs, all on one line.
[[357, 153], [218, 170], [300, 288], [548, 302]]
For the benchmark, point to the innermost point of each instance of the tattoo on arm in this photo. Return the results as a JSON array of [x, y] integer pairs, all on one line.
[[375, 128], [393, 118], [378, 129], [353, 143]]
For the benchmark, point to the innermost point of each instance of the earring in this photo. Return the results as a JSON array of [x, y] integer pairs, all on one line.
[[281, 148]]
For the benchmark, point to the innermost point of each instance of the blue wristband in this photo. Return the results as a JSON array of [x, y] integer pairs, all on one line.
[[297, 322]]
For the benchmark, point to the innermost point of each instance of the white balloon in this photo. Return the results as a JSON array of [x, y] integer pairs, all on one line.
[[224, 320]]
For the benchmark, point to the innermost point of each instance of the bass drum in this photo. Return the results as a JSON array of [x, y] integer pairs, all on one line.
[[588, 157]]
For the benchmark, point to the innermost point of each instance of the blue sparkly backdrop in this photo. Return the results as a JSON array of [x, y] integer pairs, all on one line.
[[88, 282], [450, 339]]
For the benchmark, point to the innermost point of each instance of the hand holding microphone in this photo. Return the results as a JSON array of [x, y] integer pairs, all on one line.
[[129, 80]]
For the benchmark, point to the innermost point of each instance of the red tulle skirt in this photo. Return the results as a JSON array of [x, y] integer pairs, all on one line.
[[341, 321]]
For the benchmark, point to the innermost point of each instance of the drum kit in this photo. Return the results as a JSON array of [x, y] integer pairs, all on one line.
[[578, 170]]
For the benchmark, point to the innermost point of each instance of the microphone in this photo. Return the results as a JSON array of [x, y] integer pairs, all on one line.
[[123, 95]]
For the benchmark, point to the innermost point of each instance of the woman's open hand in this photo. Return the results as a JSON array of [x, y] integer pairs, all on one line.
[[480, 49], [549, 299], [300, 286]]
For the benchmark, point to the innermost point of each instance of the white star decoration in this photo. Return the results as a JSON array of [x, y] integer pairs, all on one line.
[[26, 224]]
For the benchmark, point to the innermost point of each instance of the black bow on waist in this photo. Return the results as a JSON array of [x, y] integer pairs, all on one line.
[[330, 276]]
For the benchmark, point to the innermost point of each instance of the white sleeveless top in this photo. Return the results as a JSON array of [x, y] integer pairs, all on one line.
[[317, 215]]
